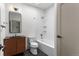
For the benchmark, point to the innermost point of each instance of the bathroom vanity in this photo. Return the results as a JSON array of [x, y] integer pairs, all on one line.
[[14, 45]]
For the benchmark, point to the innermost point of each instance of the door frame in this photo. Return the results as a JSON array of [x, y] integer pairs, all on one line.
[[59, 9]]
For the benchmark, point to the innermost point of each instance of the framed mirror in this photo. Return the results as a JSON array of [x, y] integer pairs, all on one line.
[[14, 22]]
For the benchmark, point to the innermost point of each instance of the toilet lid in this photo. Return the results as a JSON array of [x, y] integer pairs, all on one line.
[[34, 43]]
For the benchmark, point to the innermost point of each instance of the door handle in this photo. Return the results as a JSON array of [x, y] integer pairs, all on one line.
[[59, 36]]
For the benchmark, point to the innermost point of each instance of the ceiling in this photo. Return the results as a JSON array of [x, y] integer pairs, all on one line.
[[41, 5]]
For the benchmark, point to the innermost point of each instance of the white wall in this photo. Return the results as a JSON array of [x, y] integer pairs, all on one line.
[[2, 22], [50, 35], [51, 16]]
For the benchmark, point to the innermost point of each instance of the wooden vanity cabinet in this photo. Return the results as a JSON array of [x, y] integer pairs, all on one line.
[[20, 45], [14, 45], [9, 47]]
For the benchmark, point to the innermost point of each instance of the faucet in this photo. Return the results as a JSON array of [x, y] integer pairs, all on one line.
[[41, 36]]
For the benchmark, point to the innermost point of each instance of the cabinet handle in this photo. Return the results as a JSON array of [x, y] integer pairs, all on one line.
[[1, 46]]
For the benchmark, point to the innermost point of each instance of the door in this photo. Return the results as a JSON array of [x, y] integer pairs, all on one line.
[[10, 47], [20, 44], [69, 29]]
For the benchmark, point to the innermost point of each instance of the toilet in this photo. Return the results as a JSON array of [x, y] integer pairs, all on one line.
[[33, 46]]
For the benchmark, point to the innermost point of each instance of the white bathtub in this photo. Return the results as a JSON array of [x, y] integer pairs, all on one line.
[[46, 47]]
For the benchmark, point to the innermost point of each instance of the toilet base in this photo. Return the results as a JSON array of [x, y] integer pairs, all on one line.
[[33, 51]]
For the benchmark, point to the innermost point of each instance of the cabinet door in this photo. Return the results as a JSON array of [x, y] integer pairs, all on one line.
[[20, 45], [10, 47]]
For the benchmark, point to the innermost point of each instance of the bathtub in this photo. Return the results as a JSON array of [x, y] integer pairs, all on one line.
[[46, 47]]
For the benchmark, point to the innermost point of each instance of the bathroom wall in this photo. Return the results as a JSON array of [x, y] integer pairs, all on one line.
[[49, 22], [2, 22], [51, 16]]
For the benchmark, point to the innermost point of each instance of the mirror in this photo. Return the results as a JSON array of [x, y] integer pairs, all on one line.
[[14, 22]]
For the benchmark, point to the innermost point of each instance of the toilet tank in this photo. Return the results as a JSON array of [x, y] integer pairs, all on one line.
[[32, 39]]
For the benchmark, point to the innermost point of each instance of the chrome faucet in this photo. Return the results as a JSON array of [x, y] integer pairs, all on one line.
[[41, 36]]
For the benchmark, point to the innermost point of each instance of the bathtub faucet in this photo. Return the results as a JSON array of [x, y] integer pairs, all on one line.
[[41, 36]]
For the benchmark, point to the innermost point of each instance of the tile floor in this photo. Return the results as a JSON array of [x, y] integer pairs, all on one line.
[[28, 53]]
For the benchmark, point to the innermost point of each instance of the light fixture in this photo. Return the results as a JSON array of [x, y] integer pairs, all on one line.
[[13, 8]]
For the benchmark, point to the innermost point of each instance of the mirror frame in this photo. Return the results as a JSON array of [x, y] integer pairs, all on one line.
[[15, 20]]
